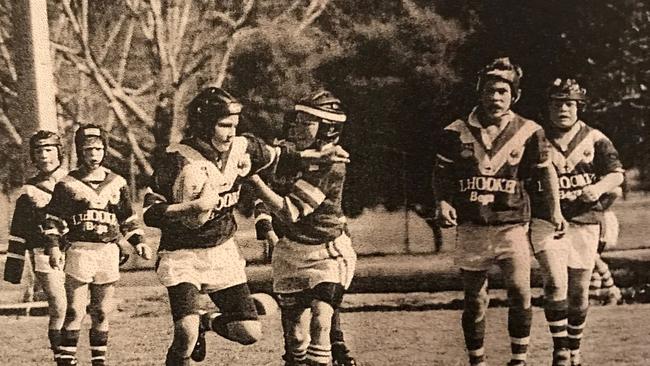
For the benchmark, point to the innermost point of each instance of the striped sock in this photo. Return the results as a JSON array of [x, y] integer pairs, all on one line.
[[318, 354], [98, 347], [474, 331], [54, 335], [68, 347], [595, 284], [519, 322], [299, 356], [577, 322], [556, 316]]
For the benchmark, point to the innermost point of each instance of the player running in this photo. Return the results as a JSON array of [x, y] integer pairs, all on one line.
[[313, 262], [482, 164], [588, 167], [90, 211], [192, 198], [26, 234]]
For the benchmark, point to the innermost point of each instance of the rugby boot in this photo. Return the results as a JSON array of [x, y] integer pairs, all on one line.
[[341, 356], [561, 357], [200, 347]]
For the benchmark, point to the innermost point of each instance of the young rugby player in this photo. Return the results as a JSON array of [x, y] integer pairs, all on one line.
[[192, 198], [314, 193], [26, 233], [90, 211], [482, 164], [588, 167]]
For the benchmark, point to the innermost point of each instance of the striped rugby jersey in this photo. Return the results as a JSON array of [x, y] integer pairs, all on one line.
[[313, 195], [580, 161], [26, 232], [181, 178], [484, 178], [94, 208]]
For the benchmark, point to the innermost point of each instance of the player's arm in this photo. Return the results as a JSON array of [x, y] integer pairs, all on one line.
[[159, 207], [306, 195], [443, 181], [130, 225], [17, 239], [55, 226], [608, 167], [537, 162], [264, 227], [285, 154]]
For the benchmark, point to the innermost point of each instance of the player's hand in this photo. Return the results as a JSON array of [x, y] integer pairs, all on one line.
[[56, 259], [271, 241], [560, 224], [590, 193], [328, 154], [447, 214], [144, 251]]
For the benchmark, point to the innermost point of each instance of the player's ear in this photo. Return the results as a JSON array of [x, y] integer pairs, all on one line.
[[516, 97]]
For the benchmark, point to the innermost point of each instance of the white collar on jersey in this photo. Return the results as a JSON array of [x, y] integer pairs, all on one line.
[[565, 138], [488, 135]]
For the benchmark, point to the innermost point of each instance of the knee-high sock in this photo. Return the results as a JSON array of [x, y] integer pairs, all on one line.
[[173, 359], [577, 322], [336, 332], [54, 335], [98, 347], [556, 313], [68, 348], [474, 331], [519, 322]]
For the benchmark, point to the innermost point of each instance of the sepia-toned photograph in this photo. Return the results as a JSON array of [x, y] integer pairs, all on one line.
[[324, 182]]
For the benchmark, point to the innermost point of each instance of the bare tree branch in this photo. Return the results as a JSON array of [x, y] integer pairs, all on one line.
[[13, 133], [7, 90], [315, 9], [222, 72], [7, 57], [125, 51], [111, 38]]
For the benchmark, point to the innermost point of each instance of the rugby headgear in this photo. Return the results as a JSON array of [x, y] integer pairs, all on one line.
[[566, 89], [502, 69], [209, 105], [45, 138], [327, 108], [88, 132]]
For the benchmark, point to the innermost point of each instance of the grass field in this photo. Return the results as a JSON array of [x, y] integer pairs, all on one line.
[[141, 329], [141, 333]]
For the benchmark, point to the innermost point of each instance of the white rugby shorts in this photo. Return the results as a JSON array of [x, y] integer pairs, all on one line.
[[298, 267], [209, 269], [478, 247], [579, 244], [97, 263], [42, 262]]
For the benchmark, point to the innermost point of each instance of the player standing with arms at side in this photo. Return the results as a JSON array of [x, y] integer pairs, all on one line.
[[192, 198], [313, 262], [482, 164], [26, 233], [90, 210], [588, 167]]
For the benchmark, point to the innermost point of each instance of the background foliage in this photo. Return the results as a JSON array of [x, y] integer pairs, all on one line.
[[403, 68]]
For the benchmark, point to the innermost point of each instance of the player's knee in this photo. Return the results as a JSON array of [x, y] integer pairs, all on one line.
[[321, 316], [555, 291], [75, 311], [519, 296], [57, 309], [185, 333], [100, 312], [476, 301], [245, 332]]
